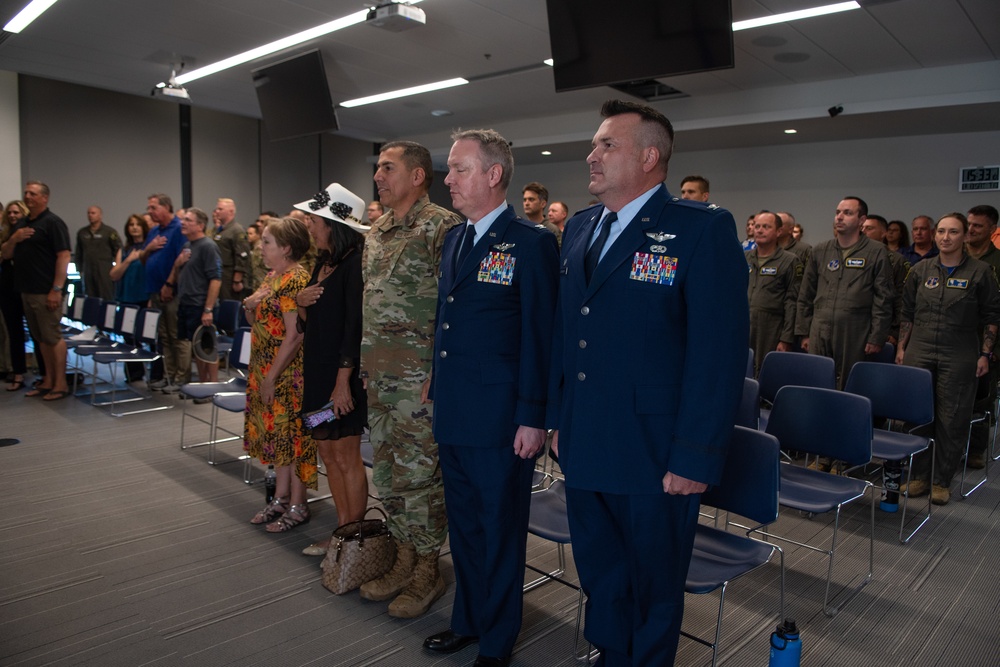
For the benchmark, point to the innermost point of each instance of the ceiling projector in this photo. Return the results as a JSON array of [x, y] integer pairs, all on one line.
[[396, 17]]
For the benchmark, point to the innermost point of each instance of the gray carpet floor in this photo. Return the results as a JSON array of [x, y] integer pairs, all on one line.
[[119, 548]]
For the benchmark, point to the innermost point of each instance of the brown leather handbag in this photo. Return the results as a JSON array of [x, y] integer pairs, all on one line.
[[359, 552]]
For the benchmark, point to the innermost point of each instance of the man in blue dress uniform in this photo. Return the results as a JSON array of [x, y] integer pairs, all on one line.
[[648, 363], [496, 304]]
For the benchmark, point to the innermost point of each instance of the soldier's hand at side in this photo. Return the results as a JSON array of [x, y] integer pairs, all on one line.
[[982, 366], [425, 392], [783, 347], [872, 348], [529, 441], [554, 448], [899, 356], [804, 344], [676, 485]]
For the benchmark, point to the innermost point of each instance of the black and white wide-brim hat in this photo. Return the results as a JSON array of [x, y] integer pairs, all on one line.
[[337, 203]]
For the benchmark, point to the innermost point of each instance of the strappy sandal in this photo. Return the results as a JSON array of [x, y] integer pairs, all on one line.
[[272, 511], [296, 515]]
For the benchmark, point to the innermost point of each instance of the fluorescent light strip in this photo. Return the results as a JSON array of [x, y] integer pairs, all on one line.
[[415, 90], [31, 11], [285, 43], [795, 16]]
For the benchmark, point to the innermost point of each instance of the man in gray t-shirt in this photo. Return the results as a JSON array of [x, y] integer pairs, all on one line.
[[198, 276]]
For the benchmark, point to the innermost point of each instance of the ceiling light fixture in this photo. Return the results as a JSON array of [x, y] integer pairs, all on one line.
[[404, 92], [791, 131], [31, 11], [795, 16], [279, 45], [546, 152]]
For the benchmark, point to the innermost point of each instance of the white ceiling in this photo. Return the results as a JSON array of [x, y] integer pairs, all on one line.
[[898, 67]]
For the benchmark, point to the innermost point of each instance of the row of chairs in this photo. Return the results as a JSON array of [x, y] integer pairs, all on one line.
[[807, 415]]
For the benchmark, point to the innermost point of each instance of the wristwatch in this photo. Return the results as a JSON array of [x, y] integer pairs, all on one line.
[[57, 288], [207, 310]]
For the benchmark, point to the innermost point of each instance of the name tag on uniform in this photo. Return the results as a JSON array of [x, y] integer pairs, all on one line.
[[855, 263], [768, 270], [497, 268], [650, 268], [957, 283]]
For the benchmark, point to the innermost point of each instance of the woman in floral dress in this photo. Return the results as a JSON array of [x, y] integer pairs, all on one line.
[[273, 428]]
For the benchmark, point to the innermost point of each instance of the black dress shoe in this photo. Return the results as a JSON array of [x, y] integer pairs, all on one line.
[[483, 661], [448, 642]]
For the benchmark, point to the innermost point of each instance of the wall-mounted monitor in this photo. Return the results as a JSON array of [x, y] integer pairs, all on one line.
[[597, 42]]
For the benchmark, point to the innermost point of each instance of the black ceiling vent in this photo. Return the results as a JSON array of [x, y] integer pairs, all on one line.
[[649, 90]]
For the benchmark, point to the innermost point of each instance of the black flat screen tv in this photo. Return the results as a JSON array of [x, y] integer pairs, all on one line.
[[600, 42], [294, 97]]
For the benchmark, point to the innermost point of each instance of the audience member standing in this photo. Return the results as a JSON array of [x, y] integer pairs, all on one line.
[[799, 248], [978, 244], [197, 273], [875, 228], [775, 275], [329, 312], [39, 246], [558, 213], [695, 188], [11, 304], [163, 244], [534, 199], [951, 309], [374, 211], [234, 248], [272, 430], [845, 302], [923, 241], [129, 276], [96, 248], [496, 303], [401, 264], [635, 335], [897, 236]]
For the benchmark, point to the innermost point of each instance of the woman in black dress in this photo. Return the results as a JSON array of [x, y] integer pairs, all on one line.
[[330, 314]]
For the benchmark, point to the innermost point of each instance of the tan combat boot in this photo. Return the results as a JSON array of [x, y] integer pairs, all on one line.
[[395, 580], [426, 587]]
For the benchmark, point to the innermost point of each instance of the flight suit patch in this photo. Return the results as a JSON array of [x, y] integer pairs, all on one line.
[[957, 283], [833, 265], [855, 263], [649, 268], [932, 282], [768, 270], [497, 268]]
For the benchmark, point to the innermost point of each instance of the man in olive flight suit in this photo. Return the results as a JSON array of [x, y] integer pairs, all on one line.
[[775, 275]]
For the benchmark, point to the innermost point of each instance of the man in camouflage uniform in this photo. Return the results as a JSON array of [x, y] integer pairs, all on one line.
[[775, 275], [234, 246], [401, 257], [979, 245]]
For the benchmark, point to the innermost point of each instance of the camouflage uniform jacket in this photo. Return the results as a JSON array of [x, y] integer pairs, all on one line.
[[400, 265]]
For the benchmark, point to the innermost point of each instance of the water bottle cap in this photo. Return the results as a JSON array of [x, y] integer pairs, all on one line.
[[789, 626]]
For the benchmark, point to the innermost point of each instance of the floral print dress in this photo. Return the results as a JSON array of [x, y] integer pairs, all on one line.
[[273, 433]]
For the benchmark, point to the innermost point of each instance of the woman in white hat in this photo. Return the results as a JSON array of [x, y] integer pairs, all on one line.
[[330, 317]]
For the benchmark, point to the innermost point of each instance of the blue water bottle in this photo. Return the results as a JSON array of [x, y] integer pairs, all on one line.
[[786, 647]]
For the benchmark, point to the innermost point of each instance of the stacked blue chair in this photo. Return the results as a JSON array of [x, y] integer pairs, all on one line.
[[829, 423], [144, 350], [749, 488], [905, 394], [781, 369]]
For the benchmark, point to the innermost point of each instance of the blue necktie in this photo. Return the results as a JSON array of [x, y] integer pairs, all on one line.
[[594, 254], [467, 242]]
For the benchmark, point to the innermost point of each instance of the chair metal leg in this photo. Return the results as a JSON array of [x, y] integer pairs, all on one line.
[[831, 611], [906, 497], [965, 463]]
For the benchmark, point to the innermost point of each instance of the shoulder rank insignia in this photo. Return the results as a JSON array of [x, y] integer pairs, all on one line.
[[660, 237], [712, 207], [502, 247], [539, 226]]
